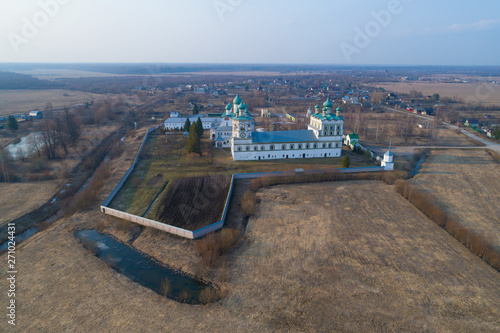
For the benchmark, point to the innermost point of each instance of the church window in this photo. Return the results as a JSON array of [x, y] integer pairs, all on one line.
[[300, 146], [262, 148], [272, 147], [239, 148], [283, 147], [248, 148]]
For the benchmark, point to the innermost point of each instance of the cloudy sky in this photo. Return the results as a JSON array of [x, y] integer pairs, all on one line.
[[392, 32]]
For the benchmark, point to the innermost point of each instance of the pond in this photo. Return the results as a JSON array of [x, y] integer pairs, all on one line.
[[26, 146], [147, 271]]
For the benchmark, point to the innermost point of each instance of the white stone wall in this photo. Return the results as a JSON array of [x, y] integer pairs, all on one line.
[[276, 154], [206, 122], [389, 166]]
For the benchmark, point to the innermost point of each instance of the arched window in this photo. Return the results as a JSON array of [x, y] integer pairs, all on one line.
[[272, 147], [324, 145], [307, 146], [262, 148], [239, 148], [283, 147], [248, 148], [255, 148], [292, 146], [300, 146], [315, 146]]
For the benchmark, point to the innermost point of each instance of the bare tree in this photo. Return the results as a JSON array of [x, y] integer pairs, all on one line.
[[21, 154], [406, 127], [5, 164], [49, 138], [433, 129], [358, 120], [377, 126], [72, 126], [35, 142], [48, 111]]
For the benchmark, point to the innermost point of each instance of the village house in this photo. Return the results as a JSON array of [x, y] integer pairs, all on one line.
[[472, 123]]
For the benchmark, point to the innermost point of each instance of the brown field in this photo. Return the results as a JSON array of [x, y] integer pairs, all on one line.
[[23, 101], [342, 256], [466, 183], [193, 203], [466, 91], [20, 198], [54, 74]]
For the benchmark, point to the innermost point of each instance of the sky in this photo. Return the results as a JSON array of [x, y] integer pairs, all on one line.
[[364, 32]]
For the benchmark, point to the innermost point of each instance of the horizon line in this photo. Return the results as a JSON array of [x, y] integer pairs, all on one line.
[[237, 63]]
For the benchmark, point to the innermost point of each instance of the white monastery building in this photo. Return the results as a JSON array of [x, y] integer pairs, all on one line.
[[177, 123], [235, 129], [323, 138]]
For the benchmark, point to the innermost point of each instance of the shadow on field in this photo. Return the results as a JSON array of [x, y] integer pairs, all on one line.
[[459, 160]]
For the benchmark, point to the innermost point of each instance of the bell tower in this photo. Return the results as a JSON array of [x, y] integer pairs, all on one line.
[[243, 124]]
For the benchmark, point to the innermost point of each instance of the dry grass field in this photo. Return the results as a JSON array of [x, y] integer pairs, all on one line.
[[466, 91], [342, 256], [388, 126], [466, 183], [20, 198], [319, 255], [54, 74], [23, 101]]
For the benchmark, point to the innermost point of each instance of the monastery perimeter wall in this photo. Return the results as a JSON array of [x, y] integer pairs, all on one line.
[[218, 225]]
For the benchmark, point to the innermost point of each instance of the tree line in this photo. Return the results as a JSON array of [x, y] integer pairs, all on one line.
[[9, 80], [194, 138]]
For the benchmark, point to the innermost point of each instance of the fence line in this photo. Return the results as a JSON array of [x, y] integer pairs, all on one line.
[[307, 172], [129, 171], [148, 223], [218, 225], [155, 224]]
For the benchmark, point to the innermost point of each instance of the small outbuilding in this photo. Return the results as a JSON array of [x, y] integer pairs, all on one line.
[[388, 161], [36, 114], [351, 139]]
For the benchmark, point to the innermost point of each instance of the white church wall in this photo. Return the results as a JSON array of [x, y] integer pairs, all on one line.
[[284, 154]]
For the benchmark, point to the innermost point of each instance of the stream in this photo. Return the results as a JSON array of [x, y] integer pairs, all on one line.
[[418, 166], [147, 271]]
